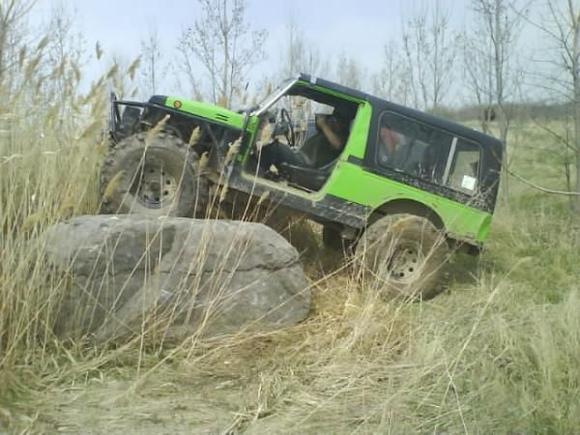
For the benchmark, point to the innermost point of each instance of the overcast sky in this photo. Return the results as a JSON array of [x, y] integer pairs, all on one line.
[[355, 28], [358, 27]]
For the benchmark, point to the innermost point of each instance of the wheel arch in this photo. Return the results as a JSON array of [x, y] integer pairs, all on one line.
[[408, 206]]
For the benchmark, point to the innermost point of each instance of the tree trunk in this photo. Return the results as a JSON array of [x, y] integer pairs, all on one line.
[[576, 66], [3, 43], [499, 48], [225, 36], [503, 135]]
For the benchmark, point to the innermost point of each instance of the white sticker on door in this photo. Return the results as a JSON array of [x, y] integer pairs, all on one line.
[[468, 182]]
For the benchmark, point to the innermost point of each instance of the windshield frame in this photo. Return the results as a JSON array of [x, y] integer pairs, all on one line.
[[274, 96]]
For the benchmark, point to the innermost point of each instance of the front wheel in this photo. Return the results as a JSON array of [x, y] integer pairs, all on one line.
[[404, 255], [152, 174]]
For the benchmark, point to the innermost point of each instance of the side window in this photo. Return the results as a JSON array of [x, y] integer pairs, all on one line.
[[417, 149], [396, 134], [464, 167], [428, 153]]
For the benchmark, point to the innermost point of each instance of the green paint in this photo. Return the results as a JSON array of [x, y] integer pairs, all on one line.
[[357, 141], [217, 114], [352, 182]]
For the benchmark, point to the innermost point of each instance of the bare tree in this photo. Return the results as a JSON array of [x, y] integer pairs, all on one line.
[[294, 51], [491, 56], [560, 22], [299, 54], [414, 44], [151, 61], [429, 47], [188, 66], [348, 72], [12, 15], [576, 81], [222, 42], [63, 57], [120, 77], [392, 81], [491, 63], [479, 75], [384, 81]]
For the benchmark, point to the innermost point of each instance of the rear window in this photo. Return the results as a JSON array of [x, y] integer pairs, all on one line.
[[464, 167]]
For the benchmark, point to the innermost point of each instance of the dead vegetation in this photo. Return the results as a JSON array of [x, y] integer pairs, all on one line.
[[498, 352]]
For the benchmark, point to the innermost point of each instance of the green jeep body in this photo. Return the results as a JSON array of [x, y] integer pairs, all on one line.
[[458, 196]]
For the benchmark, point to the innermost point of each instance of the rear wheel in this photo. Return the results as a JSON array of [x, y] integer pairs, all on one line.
[[404, 255], [154, 175]]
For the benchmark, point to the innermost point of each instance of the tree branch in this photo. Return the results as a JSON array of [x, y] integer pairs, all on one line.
[[540, 188]]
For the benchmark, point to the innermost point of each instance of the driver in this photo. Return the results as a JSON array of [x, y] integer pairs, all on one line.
[[318, 150]]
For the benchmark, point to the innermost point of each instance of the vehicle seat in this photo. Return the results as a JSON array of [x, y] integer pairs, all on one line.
[[414, 157], [310, 178], [428, 167]]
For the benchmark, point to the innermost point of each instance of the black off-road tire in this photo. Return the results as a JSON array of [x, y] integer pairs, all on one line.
[[403, 255], [153, 174]]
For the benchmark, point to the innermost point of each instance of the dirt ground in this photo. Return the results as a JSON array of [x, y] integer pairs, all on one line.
[[119, 406]]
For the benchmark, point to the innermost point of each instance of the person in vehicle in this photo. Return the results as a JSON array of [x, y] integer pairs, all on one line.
[[391, 147], [398, 151], [320, 149]]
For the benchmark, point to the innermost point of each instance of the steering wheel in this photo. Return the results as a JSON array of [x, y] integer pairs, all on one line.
[[287, 126]]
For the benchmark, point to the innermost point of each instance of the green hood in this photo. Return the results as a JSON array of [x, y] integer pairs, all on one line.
[[208, 111]]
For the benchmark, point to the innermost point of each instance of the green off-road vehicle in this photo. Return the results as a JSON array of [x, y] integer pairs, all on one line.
[[397, 187]]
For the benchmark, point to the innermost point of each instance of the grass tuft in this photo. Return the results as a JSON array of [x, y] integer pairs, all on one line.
[[498, 352]]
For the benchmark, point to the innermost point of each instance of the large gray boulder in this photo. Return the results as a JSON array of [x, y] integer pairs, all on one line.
[[129, 273]]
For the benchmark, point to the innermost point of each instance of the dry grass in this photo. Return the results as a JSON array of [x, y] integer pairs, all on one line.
[[497, 353]]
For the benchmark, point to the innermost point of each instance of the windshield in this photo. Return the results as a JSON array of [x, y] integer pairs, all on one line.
[[273, 96]]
